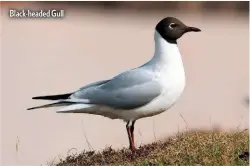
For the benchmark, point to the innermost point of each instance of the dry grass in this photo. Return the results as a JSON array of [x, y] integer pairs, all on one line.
[[189, 148]]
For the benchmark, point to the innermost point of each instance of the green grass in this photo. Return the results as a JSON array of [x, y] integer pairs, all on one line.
[[189, 148]]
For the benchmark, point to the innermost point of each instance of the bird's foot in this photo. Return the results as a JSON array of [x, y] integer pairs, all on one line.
[[132, 148]]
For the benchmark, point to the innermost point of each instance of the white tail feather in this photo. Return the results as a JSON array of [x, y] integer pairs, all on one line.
[[75, 108]]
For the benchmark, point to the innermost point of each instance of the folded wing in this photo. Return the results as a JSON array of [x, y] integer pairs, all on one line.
[[128, 90]]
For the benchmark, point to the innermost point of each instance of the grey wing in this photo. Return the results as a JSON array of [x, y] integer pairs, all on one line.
[[128, 90], [94, 84]]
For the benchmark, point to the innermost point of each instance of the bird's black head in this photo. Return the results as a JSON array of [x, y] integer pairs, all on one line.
[[171, 29]]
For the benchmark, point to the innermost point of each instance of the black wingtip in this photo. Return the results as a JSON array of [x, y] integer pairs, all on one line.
[[40, 97], [43, 97], [32, 108], [53, 97]]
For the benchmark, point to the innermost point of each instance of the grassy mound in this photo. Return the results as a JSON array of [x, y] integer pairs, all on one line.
[[189, 148]]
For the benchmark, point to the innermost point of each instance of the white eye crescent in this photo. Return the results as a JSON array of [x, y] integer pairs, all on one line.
[[172, 25]]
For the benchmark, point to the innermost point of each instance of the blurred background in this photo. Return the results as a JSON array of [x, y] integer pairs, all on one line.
[[97, 40]]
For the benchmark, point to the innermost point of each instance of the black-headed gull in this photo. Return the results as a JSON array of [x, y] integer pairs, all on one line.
[[137, 93]]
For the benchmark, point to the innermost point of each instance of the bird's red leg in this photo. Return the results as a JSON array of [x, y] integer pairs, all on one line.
[[132, 134], [130, 131], [129, 137]]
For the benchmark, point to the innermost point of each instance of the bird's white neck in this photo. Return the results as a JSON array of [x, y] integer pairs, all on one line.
[[167, 62], [165, 52]]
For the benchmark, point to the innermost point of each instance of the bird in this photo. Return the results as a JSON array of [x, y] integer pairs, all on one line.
[[140, 92]]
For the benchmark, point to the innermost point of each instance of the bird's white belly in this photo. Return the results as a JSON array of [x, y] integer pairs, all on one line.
[[157, 106]]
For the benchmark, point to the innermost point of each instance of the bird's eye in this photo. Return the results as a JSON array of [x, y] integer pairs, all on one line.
[[172, 25]]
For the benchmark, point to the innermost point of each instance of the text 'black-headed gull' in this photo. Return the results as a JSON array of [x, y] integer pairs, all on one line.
[[137, 93]]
